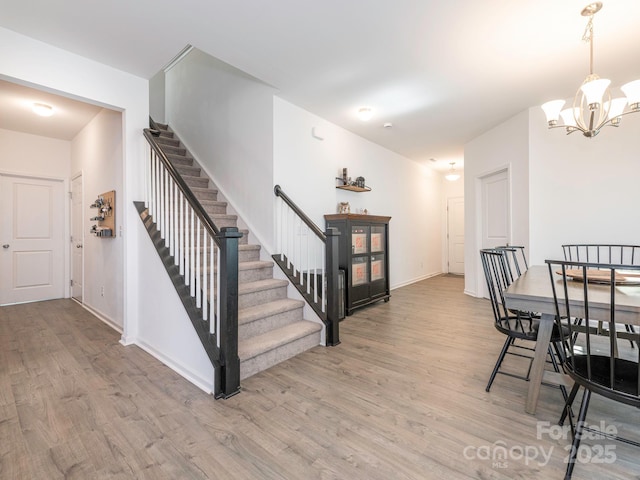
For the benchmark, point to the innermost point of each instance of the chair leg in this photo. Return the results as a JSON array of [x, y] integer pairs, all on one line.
[[556, 369], [503, 352], [567, 407], [630, 329], [578, 436]]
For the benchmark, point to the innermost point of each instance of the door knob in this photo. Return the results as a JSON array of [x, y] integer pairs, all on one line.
[[6, 245]]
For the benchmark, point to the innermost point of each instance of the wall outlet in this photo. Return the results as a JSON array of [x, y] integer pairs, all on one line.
[[102, 291]]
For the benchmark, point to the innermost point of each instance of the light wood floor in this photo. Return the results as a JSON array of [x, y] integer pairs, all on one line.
[[402, 397]]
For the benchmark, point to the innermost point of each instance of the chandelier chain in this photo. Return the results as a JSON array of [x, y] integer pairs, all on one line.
[[587, 36]]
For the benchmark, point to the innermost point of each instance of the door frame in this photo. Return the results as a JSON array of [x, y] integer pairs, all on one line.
[[66, 214], [479, 179], [71, 228], [449, 200]]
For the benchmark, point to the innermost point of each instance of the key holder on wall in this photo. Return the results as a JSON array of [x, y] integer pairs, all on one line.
[[106, 216]]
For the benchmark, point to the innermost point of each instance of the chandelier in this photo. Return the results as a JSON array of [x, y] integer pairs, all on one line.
[[593, 107]]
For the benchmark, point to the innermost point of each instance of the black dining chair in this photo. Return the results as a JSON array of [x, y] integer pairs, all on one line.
[[598, 253], [516, 259], [516, 325], [593, 361]]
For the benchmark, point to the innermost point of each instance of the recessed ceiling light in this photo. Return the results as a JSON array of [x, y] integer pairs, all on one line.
[[388, 125], [365, 114], [43, 109]]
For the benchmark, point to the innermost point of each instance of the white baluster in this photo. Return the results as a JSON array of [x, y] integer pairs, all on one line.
[[187, 249], [191, 247], [218, 302], [182, 232], [170, 213], [154, 187], [205, 276], [198, 282], [176, 225]]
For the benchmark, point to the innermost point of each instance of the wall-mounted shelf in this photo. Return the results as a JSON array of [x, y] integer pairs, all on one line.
[[106, 217], [353, 188]]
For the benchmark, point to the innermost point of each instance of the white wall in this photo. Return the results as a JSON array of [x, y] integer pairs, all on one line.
[[505, 146], [411, 194], [96, 151], [564, 188], [157, 97], [34, 155], [25, 60], [23, 153], [225, 118], [583, 190], [166, 331]]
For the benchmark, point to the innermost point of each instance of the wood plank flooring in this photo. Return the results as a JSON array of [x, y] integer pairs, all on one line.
[[402, 397]]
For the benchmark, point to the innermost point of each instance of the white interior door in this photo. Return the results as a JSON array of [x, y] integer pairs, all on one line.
[[32, 238], [77, 238], [496, 210], [496, 216], [455, 234]]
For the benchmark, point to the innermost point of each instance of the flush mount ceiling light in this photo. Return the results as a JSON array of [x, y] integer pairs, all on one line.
[[365, 114], [452, 176], [593, 107], [42, 109]]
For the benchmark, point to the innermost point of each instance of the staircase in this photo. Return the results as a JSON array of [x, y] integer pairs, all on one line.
[[271, 327]]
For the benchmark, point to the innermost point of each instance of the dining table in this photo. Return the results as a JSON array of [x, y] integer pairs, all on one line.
[[532, 292]]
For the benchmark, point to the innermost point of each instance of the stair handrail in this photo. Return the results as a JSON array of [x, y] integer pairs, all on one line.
[[330, 317], [150, 135], [314, 228], [225, 356]]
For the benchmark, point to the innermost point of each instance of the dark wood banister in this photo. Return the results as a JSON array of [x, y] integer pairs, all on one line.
[[330, 241], [182, 185], [314, 228]]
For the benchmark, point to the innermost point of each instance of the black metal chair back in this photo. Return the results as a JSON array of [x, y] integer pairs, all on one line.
[[516, 259], [498, 276], [593, 360], [602, 253]]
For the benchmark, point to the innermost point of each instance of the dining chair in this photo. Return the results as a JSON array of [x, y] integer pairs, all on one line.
[[593, 361], [516, 325], [597, 253], [516, 259]]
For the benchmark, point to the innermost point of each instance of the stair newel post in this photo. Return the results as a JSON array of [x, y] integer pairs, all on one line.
[[331, 267], [230, 371]]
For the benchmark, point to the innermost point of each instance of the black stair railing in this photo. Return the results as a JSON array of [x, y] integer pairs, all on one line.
[[309, 258], [201, 260]]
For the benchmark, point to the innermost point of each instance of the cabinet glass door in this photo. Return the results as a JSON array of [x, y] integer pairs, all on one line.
[[378, 240], [359, 271], [359, 240], [377, 267]]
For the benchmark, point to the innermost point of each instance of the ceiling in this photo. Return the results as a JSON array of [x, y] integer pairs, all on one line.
[[441, 72], [16, 102]]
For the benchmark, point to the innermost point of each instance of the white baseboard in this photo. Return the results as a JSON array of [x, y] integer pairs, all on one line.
[[418, 279], [206, 385], [100, 316]]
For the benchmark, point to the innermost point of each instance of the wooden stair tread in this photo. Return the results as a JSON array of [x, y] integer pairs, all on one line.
[[203, 190], [254, 264], [260, 285], [248, 247], [249, 314], [254, 346]]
